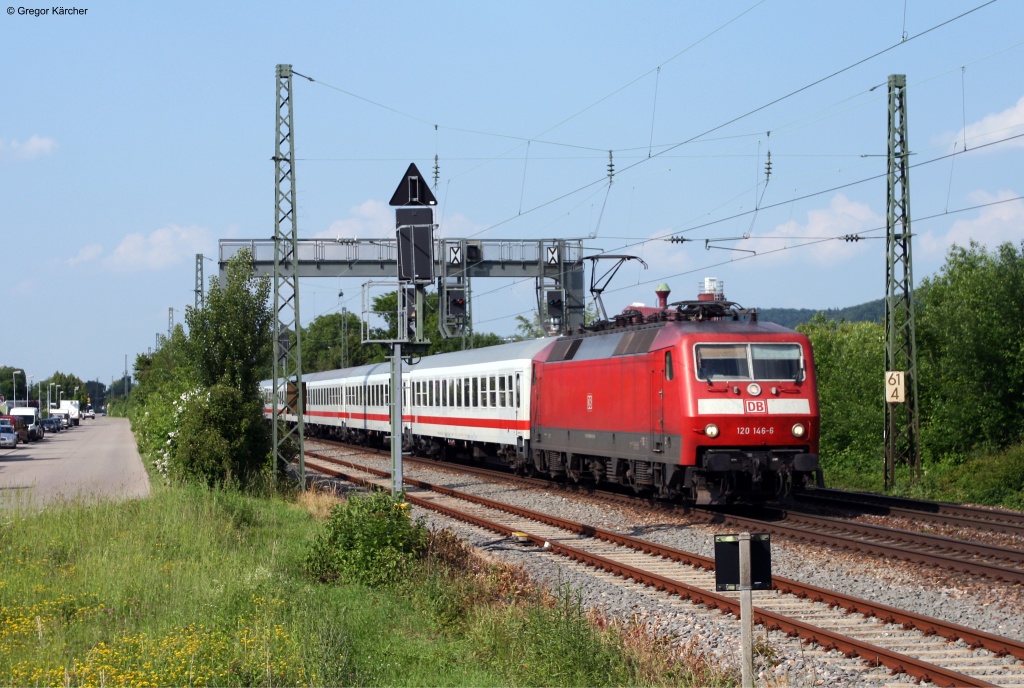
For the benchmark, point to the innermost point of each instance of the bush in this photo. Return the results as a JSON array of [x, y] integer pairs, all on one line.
[[367, 539], [222, 439]]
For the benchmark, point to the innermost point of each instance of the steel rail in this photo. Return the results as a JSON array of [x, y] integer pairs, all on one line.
[[811, 531], [927, 625], [958, 515]]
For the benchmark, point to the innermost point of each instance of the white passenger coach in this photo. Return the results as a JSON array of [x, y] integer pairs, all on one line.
[[475, 402]]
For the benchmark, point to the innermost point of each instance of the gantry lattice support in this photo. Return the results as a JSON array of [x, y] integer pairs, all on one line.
[[288, 392], [199, 281], [903, 430], [554, 263]]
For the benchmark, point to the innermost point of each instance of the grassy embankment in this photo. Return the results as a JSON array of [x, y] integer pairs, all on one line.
[[990, 479], [193, 587]]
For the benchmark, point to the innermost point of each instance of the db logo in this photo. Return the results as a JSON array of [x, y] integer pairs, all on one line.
[[755, 406], [590, 402]]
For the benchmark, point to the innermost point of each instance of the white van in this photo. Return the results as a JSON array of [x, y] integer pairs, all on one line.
[[31, 415]]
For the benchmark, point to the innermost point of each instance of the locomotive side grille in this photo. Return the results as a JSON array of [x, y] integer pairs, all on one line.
[[573, 348], [624, 344], [636, 342], [564, 350]]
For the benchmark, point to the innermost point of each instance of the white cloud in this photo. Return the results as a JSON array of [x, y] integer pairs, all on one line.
[[990, 128], [36, 146], [162, 248], [371, 220], [842, 217], [86, 254], [993, 225]]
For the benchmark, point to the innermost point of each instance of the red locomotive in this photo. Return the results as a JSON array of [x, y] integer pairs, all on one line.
[[695, 400]]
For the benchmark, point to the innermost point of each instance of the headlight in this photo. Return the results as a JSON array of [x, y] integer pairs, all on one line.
[[754, 389], [711, 430], [799, 430]]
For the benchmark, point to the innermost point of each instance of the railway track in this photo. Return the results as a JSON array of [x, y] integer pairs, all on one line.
[[924, 648], [936, 513], [997, 563], [915, 547]]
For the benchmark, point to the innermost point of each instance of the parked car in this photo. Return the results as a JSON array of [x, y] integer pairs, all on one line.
[[88, 413], [8, 437], [52, 424], [19, 425]]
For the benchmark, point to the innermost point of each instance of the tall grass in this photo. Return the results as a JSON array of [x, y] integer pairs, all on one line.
[[195, 587]]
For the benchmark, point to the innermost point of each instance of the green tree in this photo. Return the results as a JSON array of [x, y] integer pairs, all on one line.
[[850, 362], [334, 341], [221, 436], [387, 305], [970, 334], [229, 339]]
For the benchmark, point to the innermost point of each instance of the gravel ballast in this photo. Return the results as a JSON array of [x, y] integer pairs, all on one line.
[[982, 604]]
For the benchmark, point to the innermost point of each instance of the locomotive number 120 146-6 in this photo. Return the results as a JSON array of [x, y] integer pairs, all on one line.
[[755, 430]]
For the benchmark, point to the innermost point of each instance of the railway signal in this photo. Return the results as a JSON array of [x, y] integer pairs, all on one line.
[[556, 305], [457, 303]]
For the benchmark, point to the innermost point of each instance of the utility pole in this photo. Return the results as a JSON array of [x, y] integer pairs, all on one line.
[[902, 427], [288, 388]]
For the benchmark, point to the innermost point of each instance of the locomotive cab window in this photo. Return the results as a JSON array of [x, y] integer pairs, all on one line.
[[767, 361], [777, 361]]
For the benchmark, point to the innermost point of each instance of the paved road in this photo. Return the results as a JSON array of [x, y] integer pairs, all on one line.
[[97, 459]]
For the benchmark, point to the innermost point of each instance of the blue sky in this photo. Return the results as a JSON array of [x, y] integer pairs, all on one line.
[[139, 134]]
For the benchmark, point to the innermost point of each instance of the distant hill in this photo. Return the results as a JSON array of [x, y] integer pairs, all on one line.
[[872, 311]]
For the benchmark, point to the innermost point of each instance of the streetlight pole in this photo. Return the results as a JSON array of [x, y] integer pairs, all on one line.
[[14, 385], [28, 388]]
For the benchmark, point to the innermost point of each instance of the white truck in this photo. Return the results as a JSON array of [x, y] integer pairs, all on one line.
[[70, 407]]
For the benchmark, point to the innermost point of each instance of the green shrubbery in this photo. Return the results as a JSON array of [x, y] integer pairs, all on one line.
[[367, 539], [221, 438]]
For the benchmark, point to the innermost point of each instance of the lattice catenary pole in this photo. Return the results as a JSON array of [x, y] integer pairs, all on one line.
[[288, 391], [199, 281], [903, 434]]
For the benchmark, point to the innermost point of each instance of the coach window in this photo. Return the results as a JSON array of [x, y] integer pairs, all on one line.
[[474, 391], [518, 402], [494, 392], [501, 391], [669, 373]]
